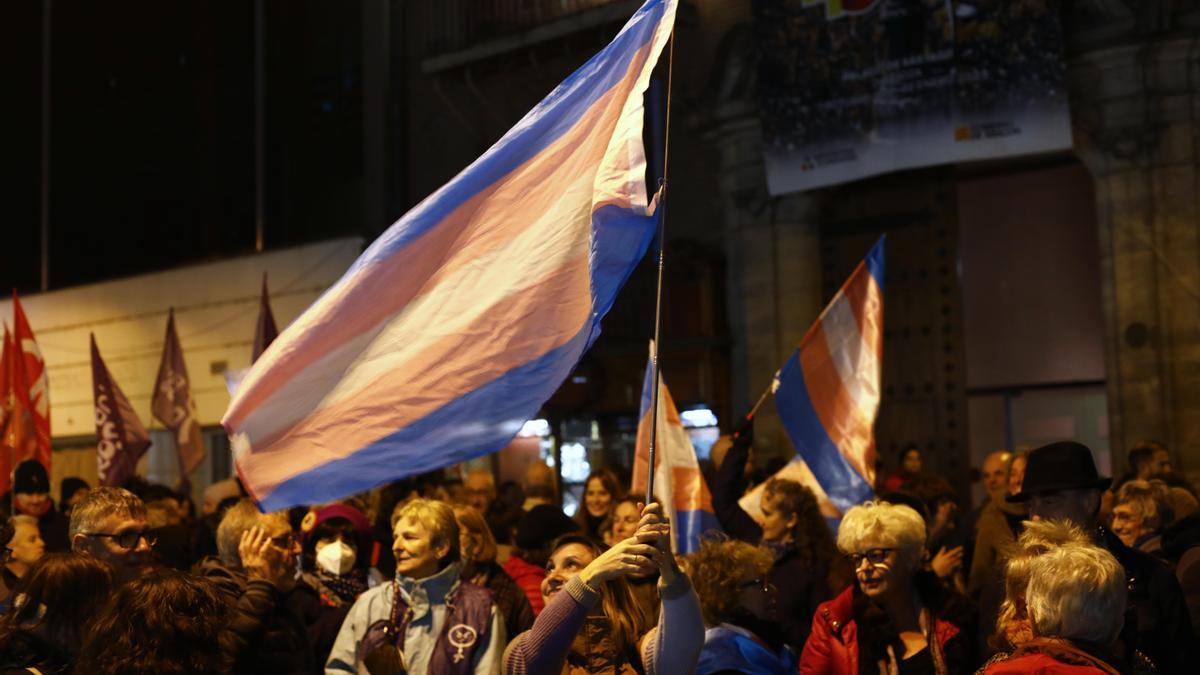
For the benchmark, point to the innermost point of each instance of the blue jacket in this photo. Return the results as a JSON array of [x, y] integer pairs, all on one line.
[[728, 647]]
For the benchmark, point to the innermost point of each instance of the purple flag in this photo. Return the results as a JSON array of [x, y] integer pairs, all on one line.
[[173, 404], [121, 440], [265, 331]]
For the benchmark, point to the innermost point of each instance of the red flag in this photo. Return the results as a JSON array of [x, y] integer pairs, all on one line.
[[28, 426], [265, 331], [121, 440], [6, 452], [173, 404]]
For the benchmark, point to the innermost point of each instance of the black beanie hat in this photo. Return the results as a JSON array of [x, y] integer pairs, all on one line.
[[30, 478], [70, 485]]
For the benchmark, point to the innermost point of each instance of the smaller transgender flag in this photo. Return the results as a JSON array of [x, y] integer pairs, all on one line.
[[678, 483], [828, 391]]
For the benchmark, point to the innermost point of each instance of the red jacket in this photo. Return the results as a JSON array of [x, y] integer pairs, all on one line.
[[529, 578], [1050, 657], [832, 647]]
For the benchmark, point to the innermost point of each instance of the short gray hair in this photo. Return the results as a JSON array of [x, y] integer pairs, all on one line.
[[239, 518], [100, 503], [1076, 592], [893, 525]]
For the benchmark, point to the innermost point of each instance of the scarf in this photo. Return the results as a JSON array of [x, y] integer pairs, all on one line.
[[340, 590]]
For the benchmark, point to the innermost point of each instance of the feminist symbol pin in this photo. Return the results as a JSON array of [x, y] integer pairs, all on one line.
[[462, 637]]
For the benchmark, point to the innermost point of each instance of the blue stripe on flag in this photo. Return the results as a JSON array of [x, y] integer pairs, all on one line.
[[445, 436], [689, 525], [647, 382], [874, 261], [543, 125], [837, 477], [616, 232]]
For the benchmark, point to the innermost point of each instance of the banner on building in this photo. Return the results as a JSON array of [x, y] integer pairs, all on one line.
[[855, 88]]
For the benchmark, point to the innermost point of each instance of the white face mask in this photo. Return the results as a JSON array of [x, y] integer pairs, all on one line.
[[336, 558]]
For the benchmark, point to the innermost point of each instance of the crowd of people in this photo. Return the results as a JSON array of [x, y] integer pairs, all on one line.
[[1059, 570]]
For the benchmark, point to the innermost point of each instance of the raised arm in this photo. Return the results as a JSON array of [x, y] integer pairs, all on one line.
[[728, 490]]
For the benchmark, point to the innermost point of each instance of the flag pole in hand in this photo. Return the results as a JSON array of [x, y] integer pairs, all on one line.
[[658, 297]]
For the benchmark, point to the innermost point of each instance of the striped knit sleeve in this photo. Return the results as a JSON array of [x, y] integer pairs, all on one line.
[[542, 650]]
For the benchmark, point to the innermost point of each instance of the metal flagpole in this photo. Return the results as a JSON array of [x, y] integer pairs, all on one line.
[[662, 244]]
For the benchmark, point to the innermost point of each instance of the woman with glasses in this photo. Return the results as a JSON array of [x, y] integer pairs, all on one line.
[[897, 618], [740, 610]]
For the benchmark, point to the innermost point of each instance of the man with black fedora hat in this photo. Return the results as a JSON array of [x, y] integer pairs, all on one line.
[[1061, 483]]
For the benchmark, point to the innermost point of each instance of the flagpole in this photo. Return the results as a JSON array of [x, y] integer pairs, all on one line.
[[658, 297]]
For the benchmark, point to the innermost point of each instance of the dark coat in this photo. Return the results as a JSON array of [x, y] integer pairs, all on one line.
[[1156, 621], [1181, 544], [801, 586], [53, 527], [266, 632]]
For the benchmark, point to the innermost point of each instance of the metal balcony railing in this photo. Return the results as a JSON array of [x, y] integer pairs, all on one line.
[[455, 25]]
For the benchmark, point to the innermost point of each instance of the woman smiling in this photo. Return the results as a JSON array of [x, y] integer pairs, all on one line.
[[897, 618]]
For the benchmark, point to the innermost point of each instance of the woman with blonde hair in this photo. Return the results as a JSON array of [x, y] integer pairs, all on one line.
[[740, 610], [480, 568], [592, 624], [1075, 601], [1038, 538], [897, 618]]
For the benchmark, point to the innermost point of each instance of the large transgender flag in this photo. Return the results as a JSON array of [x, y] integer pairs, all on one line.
[[828, 391], [678, 483], [458, 323]]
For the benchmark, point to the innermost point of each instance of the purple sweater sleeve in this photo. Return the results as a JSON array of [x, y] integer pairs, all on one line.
[[542, 649]]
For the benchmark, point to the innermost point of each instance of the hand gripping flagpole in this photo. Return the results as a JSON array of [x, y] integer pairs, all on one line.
[[658, 297]]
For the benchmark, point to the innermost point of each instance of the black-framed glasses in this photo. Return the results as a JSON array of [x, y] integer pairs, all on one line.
[[284, 541], [875, 556], [128, 540]]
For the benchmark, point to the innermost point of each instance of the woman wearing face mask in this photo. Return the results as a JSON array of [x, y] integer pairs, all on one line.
[[897, 618], [336, 553], [601, 491], [591, 623]]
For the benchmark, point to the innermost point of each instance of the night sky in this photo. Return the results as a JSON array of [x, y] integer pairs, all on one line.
[[152, 133]]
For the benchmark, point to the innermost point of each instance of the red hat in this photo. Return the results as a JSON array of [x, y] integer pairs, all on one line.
[[314, 518]]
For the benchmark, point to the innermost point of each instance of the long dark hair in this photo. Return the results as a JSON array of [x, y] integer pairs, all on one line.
[[163, 622], [54, 602], [609, 480]]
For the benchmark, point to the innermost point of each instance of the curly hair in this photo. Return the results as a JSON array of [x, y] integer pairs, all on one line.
[[716, 572], [163, 622], [811, 536], [893, 525], [1151, 497]]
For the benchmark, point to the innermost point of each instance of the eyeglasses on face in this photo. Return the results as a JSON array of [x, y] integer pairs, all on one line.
[[128, 540], [875, 556], [285, 541]]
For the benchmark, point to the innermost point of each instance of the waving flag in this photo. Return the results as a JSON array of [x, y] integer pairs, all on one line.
[[828, 391], [28, 427], [457, 324], [121, 440], [265, 331], [678, 483], [173, 404]]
